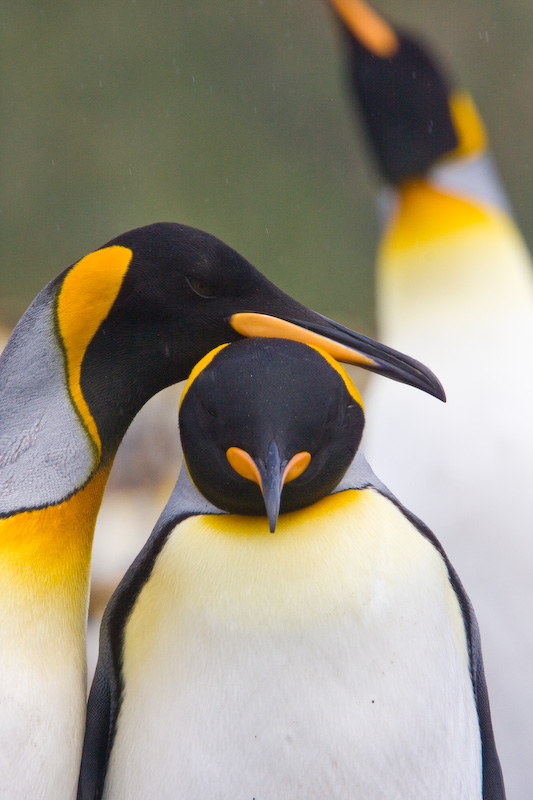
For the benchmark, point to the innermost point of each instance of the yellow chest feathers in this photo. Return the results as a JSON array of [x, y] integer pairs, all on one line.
[[45, 558], [351, 550]]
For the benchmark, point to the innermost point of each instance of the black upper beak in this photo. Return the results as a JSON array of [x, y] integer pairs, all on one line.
[[272, 483], [386, 361], [342, 344]]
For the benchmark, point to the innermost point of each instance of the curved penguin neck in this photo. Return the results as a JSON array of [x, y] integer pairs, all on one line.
[[52, 474], [52, 480], [474, 180], [450, 249]]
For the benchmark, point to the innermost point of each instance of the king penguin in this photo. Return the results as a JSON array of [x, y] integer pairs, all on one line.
[[109, 332], [289, 629], [454, 283]]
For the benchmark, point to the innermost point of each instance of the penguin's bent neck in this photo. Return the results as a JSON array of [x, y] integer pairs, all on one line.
[[52, 478]]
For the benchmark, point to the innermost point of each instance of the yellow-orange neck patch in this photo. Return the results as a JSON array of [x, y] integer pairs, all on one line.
[[469, 126], [425, 213], [200, 366], [351, 387], [47, 551], [85, 298]]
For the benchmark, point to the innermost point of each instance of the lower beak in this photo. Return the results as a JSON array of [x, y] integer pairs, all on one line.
[[342, 344]]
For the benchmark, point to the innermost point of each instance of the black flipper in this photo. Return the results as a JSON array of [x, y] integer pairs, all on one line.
[[493, 786]]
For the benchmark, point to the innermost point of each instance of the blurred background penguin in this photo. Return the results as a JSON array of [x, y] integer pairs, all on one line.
[[454, 284]]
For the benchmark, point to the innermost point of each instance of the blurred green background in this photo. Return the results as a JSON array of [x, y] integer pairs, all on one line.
[[229, 116]]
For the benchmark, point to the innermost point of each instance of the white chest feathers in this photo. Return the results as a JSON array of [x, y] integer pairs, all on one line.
[[327, 660]]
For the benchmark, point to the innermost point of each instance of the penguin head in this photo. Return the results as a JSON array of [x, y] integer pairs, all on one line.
[[135, 316], [412, 114], [269, 426]]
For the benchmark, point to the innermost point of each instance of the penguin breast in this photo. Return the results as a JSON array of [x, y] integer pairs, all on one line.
[[327, 656]]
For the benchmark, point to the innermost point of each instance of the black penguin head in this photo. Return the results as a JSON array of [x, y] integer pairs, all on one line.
[[403, 95], [137, 314], [269, 425]]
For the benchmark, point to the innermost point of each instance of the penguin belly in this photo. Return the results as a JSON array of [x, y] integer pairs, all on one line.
[[326, 660], [466, 467]]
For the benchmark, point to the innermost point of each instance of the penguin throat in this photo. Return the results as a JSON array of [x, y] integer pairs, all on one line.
[[46, 551]]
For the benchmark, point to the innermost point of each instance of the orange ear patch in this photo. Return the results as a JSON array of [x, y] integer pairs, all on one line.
[[468, 124], [244, 465], [296, 466], [88, 291]]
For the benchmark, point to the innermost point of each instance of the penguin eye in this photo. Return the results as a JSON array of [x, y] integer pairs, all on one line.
[[200, 287]]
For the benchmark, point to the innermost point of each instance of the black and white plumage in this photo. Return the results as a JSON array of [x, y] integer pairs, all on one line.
[[454, 283], [104, 336], [336, 657]]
